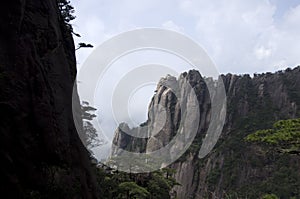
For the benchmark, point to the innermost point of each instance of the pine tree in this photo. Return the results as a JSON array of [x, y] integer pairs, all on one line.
[[90, 137], [67, 13], [66, 10]]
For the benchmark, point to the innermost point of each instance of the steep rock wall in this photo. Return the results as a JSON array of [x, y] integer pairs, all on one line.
[[234, 168], [41, 153]]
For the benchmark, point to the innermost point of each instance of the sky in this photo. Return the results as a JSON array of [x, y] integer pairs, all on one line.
[[240, 36]]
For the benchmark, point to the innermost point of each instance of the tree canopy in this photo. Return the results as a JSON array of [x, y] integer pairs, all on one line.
[[132, 190], [118, 184], [284, 136]]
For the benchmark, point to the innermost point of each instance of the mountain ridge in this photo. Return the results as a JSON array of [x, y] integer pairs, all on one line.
[[252, 103]]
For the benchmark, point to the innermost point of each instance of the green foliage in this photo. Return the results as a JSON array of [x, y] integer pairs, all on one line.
[[284, 136], [270, 196], [161, 184], [116, 184], [213, 177], [132, 190]]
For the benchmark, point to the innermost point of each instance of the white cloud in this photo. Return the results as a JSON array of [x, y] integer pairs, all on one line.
[[244, 36], [262, 52], [172, 26]]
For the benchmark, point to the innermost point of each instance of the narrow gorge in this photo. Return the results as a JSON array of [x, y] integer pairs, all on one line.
[[43, 157]]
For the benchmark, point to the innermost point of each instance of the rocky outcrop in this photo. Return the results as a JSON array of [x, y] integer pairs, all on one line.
[[41, 153], [174, 110], [234, 168]]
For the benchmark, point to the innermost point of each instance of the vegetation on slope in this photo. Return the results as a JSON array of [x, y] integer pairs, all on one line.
[[284, 137], [118, 185]]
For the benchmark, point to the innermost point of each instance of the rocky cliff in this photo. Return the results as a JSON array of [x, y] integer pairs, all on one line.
[[41, 154], [234, 168]]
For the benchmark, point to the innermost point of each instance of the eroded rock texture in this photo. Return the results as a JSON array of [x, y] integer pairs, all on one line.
[[172, 110], [234, 168]]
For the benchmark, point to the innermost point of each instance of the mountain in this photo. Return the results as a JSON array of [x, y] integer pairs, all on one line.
[[41, 153], [234, 168]]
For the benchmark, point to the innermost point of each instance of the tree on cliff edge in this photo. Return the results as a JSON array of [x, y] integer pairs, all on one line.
[[90, 137], [67, 13]]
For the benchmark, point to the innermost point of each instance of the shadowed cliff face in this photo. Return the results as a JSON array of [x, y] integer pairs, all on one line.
[[41, 154], [234, 168]]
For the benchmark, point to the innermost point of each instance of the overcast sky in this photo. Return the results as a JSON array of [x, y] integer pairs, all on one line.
[[240, 36]]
